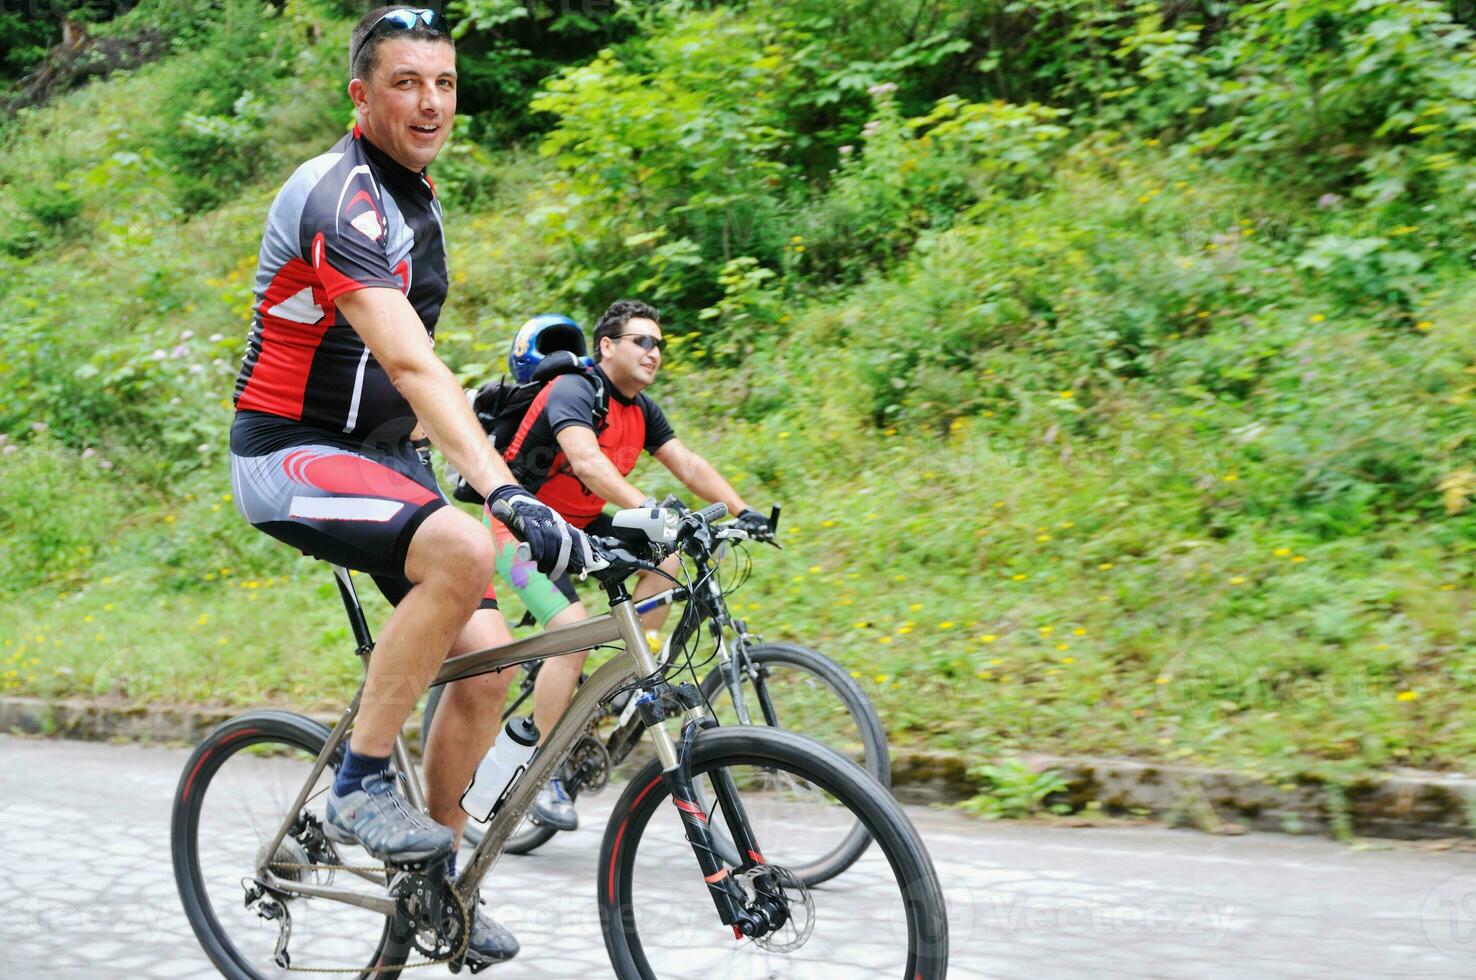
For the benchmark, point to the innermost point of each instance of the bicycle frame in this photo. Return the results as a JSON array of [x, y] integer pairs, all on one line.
[[635, 660]]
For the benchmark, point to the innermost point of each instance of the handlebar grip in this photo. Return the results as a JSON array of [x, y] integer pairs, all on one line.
[[523, 553], [774, 518], [506, 515], [713, 512]]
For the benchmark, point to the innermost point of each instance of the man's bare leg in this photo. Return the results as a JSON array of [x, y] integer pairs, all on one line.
[[450, 561], [558, 676], [467, 721]]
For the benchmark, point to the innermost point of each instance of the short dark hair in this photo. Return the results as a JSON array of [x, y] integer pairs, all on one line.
[[365, 40], [622, 311]]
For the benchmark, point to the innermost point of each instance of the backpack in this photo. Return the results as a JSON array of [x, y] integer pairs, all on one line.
[[500, 407]]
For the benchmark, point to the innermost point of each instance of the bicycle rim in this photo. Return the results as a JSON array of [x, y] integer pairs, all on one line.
[[805, 692], [885, 920], [233, 795]]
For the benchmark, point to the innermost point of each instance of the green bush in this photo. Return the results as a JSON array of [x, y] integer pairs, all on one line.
[[60, 510]]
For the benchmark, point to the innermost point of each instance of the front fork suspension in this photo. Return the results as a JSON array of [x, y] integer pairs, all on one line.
[[733, 907]]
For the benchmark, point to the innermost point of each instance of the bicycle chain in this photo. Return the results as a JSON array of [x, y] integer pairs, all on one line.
[[466, 916]]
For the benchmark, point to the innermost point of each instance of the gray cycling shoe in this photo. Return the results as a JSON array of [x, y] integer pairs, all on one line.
[[380, 820], [489, 942], [554, 808]]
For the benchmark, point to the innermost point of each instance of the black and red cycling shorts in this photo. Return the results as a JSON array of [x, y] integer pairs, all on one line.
[[358, 508]]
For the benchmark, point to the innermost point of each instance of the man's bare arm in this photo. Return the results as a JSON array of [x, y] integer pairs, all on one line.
[[394, 334], [594, 469], [699, 476]]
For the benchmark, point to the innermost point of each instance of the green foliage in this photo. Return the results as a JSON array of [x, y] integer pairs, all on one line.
[[1113, 360], [669, 158], [1376, 94], [506, 47], [58, 513], [1013, 789]]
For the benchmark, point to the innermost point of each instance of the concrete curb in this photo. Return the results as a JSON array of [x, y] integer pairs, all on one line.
[[1407, 805]]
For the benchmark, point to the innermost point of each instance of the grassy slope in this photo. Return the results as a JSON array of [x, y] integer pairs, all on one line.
[[1088, 564]]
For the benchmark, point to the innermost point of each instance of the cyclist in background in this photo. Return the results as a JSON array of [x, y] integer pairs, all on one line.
[[575, 461]]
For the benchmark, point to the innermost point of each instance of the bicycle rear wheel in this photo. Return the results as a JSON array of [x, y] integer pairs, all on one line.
[[887, 920], [803, 690], [234, 793]]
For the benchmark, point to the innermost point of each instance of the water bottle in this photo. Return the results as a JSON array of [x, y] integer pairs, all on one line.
[[501, 767]]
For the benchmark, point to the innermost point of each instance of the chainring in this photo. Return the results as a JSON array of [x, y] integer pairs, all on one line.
[[589, 764], [431, 915]]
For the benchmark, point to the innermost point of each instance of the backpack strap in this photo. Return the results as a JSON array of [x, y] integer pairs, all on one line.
[[602, 401]]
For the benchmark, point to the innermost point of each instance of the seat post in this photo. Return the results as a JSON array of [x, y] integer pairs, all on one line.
[[357, 622]]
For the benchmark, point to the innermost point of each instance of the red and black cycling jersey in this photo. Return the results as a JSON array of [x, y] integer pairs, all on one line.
[[630, 426], [345, 220]]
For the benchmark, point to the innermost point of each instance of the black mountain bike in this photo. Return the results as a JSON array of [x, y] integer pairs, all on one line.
[[750, 682]]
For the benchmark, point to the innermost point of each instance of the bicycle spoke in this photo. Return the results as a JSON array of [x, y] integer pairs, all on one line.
[[243, 805], [864, 926]]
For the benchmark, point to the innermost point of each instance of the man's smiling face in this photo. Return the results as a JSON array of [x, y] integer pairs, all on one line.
[[408, 104]]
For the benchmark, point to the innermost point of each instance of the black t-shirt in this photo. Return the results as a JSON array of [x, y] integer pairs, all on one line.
[[630, 426]]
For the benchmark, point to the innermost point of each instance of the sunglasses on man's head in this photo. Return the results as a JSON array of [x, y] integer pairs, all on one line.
[[645, 341], [405, 19]]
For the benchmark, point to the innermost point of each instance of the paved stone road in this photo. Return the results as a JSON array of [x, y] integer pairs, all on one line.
[[86, 890]]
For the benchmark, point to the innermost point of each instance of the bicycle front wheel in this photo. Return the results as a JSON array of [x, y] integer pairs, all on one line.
[[236, 790], [659, 920], [801, 689]]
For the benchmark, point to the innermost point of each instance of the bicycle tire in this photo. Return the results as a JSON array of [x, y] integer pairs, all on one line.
[[920, 894], [528, 837], [226, 741], [873, 737]]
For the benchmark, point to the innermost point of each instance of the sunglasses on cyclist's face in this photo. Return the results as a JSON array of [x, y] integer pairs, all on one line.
[[645, 341]]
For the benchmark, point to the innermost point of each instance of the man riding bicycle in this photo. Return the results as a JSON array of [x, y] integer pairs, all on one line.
[[574, 454], [339, 372]]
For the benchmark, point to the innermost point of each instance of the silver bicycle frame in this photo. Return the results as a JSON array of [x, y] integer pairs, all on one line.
[[635, 660]]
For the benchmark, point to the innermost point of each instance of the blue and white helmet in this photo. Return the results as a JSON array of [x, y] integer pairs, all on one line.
[[541, 336]]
